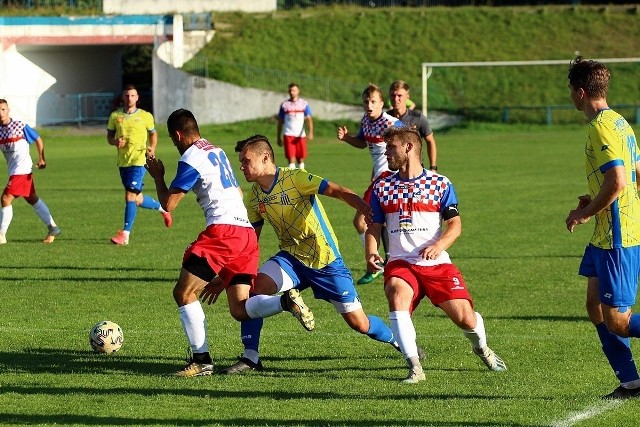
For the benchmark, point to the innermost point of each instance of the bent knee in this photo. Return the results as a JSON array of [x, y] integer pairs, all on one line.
[[620, 329]]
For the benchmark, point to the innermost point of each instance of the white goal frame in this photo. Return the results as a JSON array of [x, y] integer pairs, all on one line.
[[427, 68]]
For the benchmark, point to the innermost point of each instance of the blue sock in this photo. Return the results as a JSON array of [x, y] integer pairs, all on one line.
[[149, 203], [634, 326], [618, 353], [130, 210], [250, 333], [378, 330]]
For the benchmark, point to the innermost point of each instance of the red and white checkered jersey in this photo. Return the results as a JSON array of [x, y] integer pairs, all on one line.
[[412, 211], [15, 138], [371, 132]]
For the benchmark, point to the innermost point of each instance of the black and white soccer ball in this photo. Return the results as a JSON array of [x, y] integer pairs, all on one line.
[[106, 337]]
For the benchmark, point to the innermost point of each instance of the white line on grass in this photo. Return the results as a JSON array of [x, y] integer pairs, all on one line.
[[590, 412]]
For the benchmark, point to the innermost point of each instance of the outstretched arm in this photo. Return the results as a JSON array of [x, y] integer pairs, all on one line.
[[349, 197]]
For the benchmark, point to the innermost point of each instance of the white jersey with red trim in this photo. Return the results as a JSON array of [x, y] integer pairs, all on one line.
[[412, 211], [371, 132], [293, 114], [15, 138], [205, 169]]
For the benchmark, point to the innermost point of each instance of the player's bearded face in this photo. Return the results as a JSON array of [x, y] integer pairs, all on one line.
[[396, 155]]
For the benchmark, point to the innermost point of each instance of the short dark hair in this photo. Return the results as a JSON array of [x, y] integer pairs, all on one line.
[[404, 134], [592, 76], [254, 143], [370, 90], [184, 121], [292, 84], [130, 87]]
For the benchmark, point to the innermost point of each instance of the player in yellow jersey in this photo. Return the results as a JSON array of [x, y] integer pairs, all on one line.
[[309, 256], [128, 129], [611, 261]]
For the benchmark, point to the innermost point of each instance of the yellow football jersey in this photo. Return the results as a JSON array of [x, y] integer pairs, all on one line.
[[293, 208], [135, 128], [611, 142]]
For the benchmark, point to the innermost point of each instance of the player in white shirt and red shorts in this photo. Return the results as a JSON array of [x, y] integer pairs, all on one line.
[[291, 116], [15, 139], [412, 203]]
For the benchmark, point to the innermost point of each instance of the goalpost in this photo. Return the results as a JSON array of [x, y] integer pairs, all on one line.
[[427, 69]]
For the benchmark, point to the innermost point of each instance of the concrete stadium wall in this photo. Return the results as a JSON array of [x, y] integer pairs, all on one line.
[[213, 101], [128, 7]]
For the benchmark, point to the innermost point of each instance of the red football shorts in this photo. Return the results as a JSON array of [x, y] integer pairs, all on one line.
[[439, 283], [20, 186], [295, 147], [228, 249]]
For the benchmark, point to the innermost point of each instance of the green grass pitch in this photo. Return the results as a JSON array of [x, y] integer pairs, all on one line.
[[515, 185]]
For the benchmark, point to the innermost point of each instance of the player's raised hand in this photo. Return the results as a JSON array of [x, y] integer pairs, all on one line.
[[342, 132], [155, 167]]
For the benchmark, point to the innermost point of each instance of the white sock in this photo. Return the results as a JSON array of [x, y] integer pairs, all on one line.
[[6, 215], [301, 165], [292, 165], [252, 355], [43, 212], [631, 384], [195, 326], [263, 306], [361, 236], [404, 332], [477, 335]]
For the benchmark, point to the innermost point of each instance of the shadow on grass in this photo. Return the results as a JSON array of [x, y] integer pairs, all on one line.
[[88, 268], [548, 318], [89, 420], [57, 361]]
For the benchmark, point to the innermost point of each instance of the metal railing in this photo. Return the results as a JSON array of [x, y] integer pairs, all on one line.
[[78, 108], [35, 4]]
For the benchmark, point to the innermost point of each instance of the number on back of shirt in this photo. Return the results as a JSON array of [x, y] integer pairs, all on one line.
[[227, 178]]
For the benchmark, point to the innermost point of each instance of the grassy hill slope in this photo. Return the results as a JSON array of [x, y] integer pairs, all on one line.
[[353, 46]]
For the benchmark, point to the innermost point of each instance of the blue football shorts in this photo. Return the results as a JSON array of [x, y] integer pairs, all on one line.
[[132, 178], [617, 271], [331, 283]]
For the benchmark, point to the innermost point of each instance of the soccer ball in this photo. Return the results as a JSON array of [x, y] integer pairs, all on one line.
[[106, 337]]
